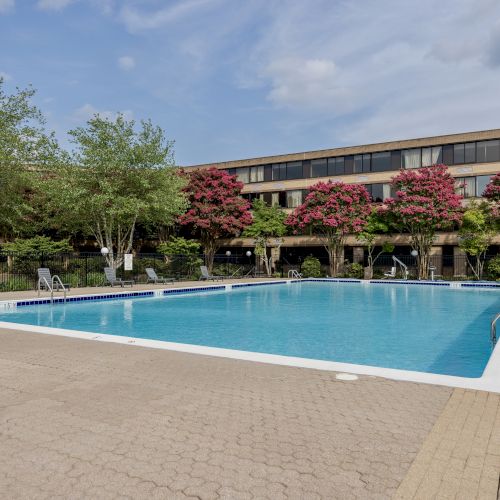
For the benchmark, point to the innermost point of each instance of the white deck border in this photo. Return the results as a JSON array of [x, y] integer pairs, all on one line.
[[489, 381]]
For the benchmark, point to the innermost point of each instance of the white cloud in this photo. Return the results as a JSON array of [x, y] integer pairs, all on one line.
[[126, 63], [6, 6], [53, 4], [5, 76], [136, 20], [87, 111]]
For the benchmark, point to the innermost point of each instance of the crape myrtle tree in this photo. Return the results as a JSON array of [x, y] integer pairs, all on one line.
[[119, 176], [216, 208], [492, 195], [333, 210], [27, 151], [267, 229], [426, 202]]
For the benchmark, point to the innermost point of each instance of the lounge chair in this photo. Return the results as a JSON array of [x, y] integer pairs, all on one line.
[[207, 277], [45, 280], [111, 278], [154, 278], [391, 273]]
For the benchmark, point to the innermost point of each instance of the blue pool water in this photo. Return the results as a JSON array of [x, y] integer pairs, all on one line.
[[422, 328]]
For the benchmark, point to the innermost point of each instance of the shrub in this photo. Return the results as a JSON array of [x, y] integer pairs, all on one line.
[[95, 279], [493, 268], [17, 283], [311, 267], [354, 270]]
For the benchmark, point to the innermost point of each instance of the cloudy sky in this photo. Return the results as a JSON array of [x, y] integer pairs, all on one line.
[[230, 79]]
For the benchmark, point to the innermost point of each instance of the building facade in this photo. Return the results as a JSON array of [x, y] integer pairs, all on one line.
[[283, 180]]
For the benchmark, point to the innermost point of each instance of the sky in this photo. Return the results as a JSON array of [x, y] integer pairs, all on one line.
[[232, 79]]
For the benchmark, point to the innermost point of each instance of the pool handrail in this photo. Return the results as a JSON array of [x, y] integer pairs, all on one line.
[[493, 329]]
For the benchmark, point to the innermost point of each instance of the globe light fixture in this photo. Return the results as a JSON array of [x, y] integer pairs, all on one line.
[[228, 253], [248, 254], [414, 253], [104, 251]]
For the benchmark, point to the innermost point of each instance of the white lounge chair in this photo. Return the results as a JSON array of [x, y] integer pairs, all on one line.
[[154, 278], [391, 273], [206, 276], [111, 278]]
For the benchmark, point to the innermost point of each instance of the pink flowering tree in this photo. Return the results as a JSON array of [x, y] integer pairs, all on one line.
[[333, 210], [425, 203], [216, 208], [492, 194]]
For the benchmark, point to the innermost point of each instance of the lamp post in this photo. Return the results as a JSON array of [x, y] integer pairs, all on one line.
[[228, 255], [249, 254], [414, 254]]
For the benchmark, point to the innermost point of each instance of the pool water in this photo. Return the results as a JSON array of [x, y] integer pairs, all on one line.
[[422, 328]]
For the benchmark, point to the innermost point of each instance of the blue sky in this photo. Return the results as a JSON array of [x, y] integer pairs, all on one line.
[[230, 79]]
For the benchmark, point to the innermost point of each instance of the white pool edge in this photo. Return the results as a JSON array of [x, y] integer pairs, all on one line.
[[489, 381]]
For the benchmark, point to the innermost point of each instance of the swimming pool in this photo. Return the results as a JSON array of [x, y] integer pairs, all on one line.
[[428, 329]]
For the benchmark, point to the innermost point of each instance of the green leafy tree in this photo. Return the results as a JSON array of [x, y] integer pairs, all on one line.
[[311, 267], [119, 176], [376, 226], [181, 253], [267, 229], [27, 151], [38, 245], [475, 235]]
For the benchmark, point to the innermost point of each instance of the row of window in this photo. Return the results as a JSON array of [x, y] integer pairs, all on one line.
[[468, 187], [450, 154]]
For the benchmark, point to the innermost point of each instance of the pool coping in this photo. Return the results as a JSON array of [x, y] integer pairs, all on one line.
[[489, 381]]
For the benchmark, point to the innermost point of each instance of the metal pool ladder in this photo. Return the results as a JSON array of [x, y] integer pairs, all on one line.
[[50, 286], [293, 273], [493, 329]]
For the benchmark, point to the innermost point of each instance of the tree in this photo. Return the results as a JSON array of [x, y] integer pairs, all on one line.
[[333, 210], [216, 209], [268, 224], [38, 245], [181, 254], [492, 195], [475, 235], [376, 225], [426, 202], [26, 151], [118, 177]]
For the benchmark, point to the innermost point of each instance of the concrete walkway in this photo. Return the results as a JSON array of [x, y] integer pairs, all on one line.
[[84, 419]]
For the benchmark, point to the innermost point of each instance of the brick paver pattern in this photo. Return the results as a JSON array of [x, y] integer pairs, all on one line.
[[460, 459], [86, 419]]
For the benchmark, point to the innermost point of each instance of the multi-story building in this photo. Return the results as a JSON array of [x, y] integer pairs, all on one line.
[[283, 180]]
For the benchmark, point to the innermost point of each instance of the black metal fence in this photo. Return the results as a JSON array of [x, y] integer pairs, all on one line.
[[19, 271]]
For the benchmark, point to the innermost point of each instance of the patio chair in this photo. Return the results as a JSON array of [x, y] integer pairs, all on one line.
[[45, 280], [391, 273], [154, 278], [111, 278], [206, 276]]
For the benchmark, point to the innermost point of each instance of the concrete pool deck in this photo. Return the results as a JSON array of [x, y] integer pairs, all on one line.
[[83, 419]]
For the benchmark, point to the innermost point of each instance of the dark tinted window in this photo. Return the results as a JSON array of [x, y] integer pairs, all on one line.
[[348, 164], [470, 152], [268, 198], [448, 154], [319, 168], [488, 151], [458, 153], [279, 171], [268, 173], [395, 160], [381, 161], [336, 166], [294, 170], [358, 164], [367, 162]]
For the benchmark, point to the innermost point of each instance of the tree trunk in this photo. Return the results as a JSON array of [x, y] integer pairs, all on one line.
[[210, 247]]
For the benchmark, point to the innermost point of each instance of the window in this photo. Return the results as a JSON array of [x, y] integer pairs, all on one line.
[[481, 182], [448, 154], [257, 174], [458, 153], [395, 160], [470, 152], [319, 168], [294, 170], [381, 161], [380, 192], [367, 162], [411, 158], [336, 166], [488, 151], [348, 164], [466, 186], [268, 173], [268, 198], [358, 164], [279, 171], [431, 156], [243, 175], [293, 198]]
